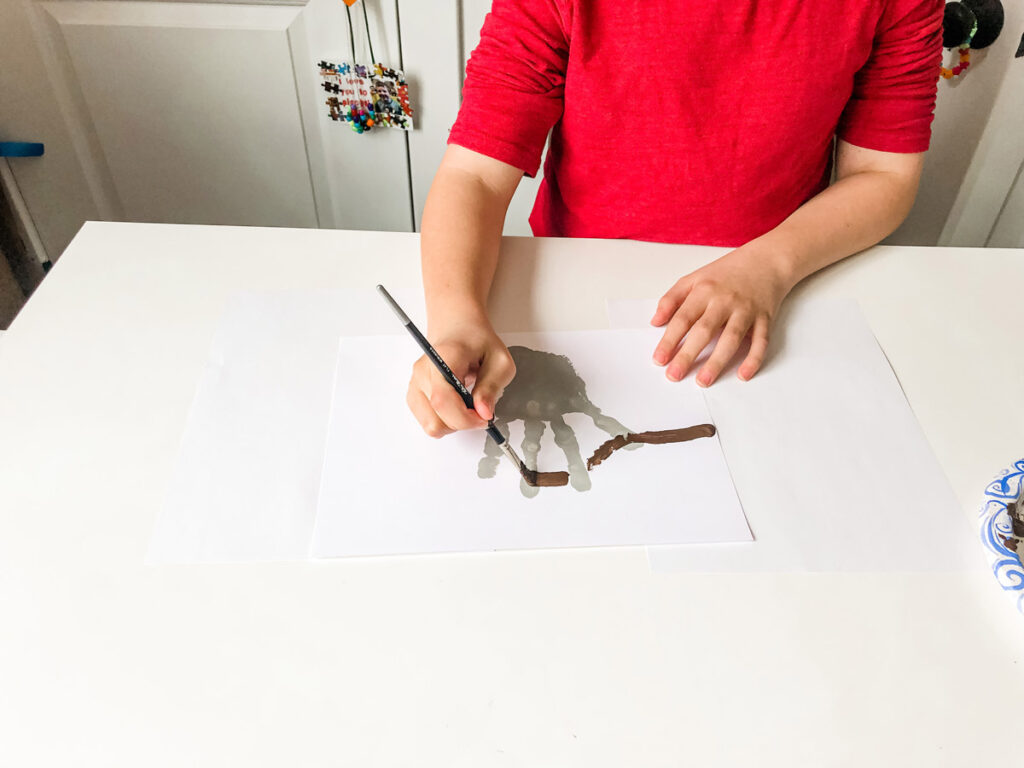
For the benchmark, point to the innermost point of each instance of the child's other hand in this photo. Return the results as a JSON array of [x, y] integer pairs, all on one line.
[[481, 361], [737, 295]]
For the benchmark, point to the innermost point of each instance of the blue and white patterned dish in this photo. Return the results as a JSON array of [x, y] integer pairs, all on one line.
[[995, 524]]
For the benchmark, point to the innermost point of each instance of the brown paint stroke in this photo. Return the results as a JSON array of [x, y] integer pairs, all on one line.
[[654, 438], [544, 479]]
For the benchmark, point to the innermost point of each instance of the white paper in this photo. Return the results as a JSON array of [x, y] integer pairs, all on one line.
[[829, 461], [249, 467], [389, 489]]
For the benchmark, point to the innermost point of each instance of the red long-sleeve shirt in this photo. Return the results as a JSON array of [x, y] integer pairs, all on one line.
[[697, 122]]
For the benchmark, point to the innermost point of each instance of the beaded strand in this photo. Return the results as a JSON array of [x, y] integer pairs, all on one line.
[[965, 56]]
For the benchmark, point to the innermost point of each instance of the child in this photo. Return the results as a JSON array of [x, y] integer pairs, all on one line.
[[706, 123]]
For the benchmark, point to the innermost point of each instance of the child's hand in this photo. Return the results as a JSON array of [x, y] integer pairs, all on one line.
[[739, 295], [480, 360]]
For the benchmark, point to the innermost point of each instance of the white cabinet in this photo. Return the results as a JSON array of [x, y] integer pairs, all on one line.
[[190, 109], [212, 113]]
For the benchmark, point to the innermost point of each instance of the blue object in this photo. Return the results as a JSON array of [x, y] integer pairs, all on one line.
[[995, 525], [20, 149]]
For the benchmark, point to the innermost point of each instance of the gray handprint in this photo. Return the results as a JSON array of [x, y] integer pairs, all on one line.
[[545, 389]]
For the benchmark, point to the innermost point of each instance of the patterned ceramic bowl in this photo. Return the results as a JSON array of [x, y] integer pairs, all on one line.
[[1004, 558]]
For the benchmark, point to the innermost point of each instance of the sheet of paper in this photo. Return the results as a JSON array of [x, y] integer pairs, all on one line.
[[248, 472], [832, 468], [389, 489]]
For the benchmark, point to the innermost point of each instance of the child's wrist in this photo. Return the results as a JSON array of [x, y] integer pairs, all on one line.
[[444, 312], [783, 258]]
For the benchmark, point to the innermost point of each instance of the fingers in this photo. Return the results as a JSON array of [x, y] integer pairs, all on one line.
[[480, 361], [699, 336], [496, 371], [758, 347], [434, 402], [425, 415], [670, 302], [442, 397], [735, 295], [682, 321], [725, 348]]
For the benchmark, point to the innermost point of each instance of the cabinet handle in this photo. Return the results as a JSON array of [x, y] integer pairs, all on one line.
[[20, 149]]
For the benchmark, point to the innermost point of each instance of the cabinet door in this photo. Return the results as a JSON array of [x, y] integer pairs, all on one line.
[[1008, 231], [198, 113]]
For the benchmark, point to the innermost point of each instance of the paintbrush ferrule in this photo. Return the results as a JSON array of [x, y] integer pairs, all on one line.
[[510, 452]]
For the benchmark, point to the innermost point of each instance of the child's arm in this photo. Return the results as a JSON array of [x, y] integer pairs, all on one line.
[[890, 108], [512, 95], [461, 235], [740, 293]]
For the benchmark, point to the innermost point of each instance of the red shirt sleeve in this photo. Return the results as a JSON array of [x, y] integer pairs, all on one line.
[[893, 99], [515, 79]]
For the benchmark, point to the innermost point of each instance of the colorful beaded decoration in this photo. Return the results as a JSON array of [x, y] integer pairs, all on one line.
[[965, 56], [365, 96]]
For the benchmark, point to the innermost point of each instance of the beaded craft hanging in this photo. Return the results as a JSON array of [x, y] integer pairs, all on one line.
[[365, 96], [965, 56]]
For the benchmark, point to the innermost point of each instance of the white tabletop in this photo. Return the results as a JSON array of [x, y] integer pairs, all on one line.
[[560, 658]]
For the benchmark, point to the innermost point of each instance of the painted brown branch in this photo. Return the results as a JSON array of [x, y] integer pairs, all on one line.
[[544, 479], [655, 438]]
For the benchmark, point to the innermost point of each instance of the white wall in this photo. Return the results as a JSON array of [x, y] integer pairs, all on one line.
[[1008, 231], [961, 117]]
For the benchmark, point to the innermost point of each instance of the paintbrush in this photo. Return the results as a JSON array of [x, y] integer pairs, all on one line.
[[531, 476]]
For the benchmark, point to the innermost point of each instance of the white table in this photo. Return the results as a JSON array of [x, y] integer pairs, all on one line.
[[573, 658]]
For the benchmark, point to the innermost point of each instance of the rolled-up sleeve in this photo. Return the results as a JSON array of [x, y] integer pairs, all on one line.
[[515, 82], [893, 101]]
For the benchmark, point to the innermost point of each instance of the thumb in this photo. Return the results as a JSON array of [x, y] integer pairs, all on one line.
[[496, 370]]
